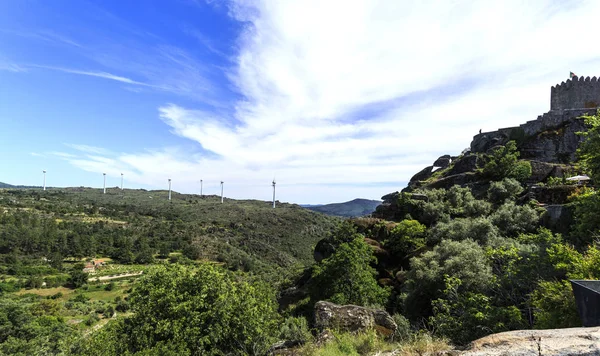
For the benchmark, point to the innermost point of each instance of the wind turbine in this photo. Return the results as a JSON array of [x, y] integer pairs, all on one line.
[[121, 181], [104, 174], [222, 192], [169, 188], [200, 187], [274, 193], [44, 179]]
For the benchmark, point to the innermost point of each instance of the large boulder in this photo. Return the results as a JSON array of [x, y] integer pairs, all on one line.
[[461, 179], [353, 318], [423, 174], [443, 162], [464, 164], [553, 342], [540, 171]]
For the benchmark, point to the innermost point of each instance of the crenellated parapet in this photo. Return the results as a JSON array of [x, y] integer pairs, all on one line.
[[576, 93]]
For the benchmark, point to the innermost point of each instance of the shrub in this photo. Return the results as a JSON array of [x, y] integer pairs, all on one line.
[[508, 188], [406, 237], [501, 162], [555, 305], [404, 330], [478, 229], [346, 277], [465, 260], [295, 329], [91, 319], [521, 171], [513, 219], [206, 310], [464, 317]]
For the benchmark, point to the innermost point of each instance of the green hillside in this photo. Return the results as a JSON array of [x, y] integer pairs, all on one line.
[[240, 233], [353, 208]]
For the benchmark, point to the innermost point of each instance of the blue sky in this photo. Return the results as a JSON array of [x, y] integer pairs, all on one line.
[[336, 100]]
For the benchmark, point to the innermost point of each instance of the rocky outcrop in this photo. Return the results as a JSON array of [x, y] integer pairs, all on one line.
[[464, 164], [461, 179], [554, 342], [540, 171], [558, 218], [422, 175], [352, 318], [443, 162], [552, 195], [552, 137]]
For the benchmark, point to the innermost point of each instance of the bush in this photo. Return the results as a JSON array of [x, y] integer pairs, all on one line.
[[513, 219], [508, 188], [77, 277], [555, 305], [406, 238], [110, 286], [295, 329], [465, 260], [404, 330], [501, 162], [479, 229], [91, 319], [206, 310], [346, 277], [80, 298], [521, 171], [34, 282], [464, 317], [109, 311]]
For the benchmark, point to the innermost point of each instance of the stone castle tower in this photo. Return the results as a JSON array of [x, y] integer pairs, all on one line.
[[575, 93]]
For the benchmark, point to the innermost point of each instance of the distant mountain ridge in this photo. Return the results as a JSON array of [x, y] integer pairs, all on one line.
[[6, 185], [352, 208]]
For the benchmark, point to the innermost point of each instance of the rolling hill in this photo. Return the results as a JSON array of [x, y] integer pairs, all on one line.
[[352, 208]]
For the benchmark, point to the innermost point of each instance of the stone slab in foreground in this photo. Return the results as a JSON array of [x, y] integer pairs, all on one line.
[[553, 342]]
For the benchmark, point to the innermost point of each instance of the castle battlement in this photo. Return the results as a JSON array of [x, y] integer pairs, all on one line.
[[576, 93]]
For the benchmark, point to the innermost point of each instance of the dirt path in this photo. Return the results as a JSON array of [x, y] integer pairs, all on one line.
[[107, 278]]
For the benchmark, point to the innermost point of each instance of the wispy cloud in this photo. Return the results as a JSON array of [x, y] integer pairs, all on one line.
[[104, 75], [44, 35], [88, 149]]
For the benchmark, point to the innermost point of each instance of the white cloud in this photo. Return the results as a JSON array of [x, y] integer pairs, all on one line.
[[87, 148], [341, 98]]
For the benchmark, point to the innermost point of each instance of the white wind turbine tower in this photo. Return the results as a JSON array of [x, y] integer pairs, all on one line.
[[104, 174], [169, 188], [121, 181], [200, 187], [222, 192], [274, 193], [44, 179]]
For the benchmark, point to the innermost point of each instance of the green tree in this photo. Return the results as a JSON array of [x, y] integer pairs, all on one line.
[[514, 219], [77, 277], [464, 317], [555, 305], [465, 260], [478, 229], [588, 152], [503, 162], [206, 311], [508, 188], [406, 238], [346, 277]]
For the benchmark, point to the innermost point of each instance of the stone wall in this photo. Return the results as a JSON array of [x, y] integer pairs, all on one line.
[[576, 93]]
